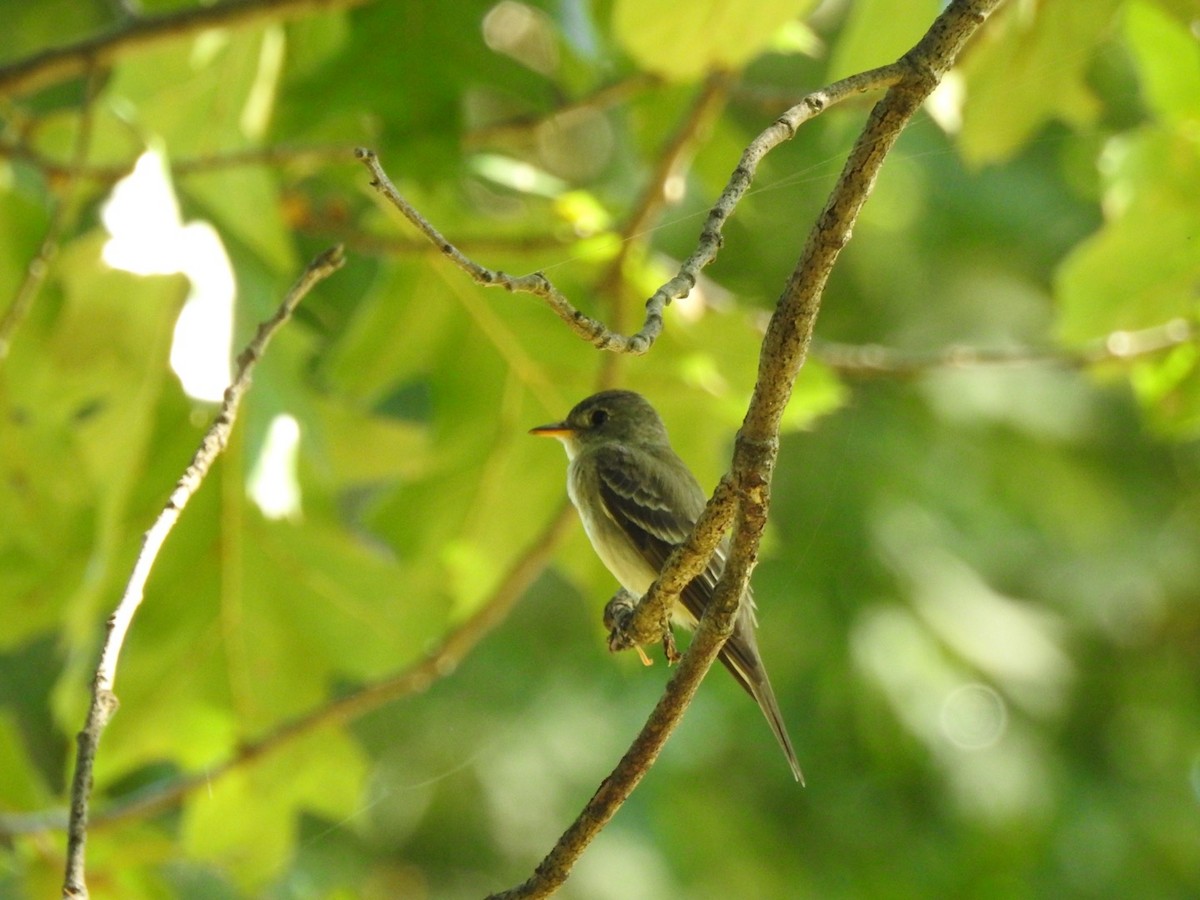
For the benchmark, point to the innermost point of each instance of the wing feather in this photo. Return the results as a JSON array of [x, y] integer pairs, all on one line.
[[655, 501], [656, 509]]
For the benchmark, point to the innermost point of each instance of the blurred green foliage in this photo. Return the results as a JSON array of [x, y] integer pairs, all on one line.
[[979, 596]]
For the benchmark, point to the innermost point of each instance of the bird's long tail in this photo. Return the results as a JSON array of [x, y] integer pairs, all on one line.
[[740, 656]]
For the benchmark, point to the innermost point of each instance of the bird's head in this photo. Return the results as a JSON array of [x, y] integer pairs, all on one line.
[[608, 417]]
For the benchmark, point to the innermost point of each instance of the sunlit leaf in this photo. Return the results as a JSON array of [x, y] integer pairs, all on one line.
[[715, 34], [1141, 268], [1019, 78]]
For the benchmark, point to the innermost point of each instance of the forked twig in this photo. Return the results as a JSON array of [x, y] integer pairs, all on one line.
[[591, 329], [71, 60]]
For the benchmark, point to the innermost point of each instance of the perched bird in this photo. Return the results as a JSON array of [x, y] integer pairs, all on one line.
[[638, 501]]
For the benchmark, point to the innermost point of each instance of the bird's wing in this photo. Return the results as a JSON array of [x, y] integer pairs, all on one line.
[[656, 503]]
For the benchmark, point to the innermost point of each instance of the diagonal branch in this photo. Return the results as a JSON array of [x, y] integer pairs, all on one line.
[[104, 700], [71, 60], [588, 328], [790, 329], [782, 129], [271, 155], [876, 361], [783, 353], [552, 871]]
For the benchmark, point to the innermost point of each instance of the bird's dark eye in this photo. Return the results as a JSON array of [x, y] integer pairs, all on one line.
[[597, 417]]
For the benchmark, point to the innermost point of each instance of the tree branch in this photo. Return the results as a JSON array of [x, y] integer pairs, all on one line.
[[345, 708], [591, 330], [674, 156], [647, 621], [790, 329], [875, 361], [104, 700], [227, 159], [552, 871], [784, 348], [71, 60]]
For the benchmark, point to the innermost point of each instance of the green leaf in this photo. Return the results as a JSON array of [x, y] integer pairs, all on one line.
[[247, 821], [1019, 78], [21, 786], [77, 394], [1168, 60], [1169, 388], [248, 622], [244, 204], [193, 94], [878, 32], [1141, 268], [686, 44]]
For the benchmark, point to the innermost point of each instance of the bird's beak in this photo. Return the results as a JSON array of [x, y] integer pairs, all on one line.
[[558, 430]]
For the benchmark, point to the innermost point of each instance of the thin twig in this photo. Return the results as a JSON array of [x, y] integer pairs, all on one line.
[[228, 159], [71, 60], [591, 330], [674, 156], [711, 239], [414, 679], [104, 700], [876, 361], [784, 349]]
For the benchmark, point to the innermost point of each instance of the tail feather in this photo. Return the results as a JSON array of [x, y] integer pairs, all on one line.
[[758, 686], [765, 697], [740, 656]]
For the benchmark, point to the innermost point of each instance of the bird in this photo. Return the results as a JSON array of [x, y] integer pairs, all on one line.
[[638, 501]]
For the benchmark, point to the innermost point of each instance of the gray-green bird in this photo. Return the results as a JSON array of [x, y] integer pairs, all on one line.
[[638, 501]]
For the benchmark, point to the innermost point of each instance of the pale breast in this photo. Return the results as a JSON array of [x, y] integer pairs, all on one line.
[[610, 542]]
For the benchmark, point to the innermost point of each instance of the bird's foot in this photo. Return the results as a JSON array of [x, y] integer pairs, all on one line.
[[617, 613], [668, 642]]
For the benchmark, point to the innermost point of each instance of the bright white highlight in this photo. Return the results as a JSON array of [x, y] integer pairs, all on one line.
[[273, 485], [148, 237], [945, 104]]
